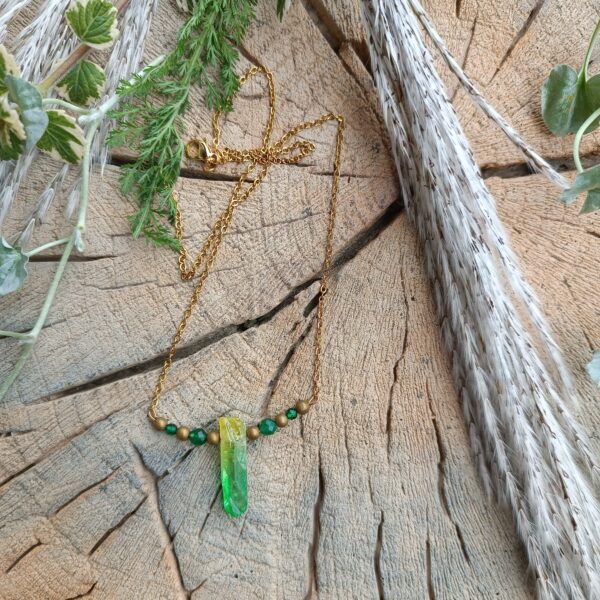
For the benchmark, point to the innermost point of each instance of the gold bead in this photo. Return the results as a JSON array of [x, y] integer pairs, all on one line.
[[253, 433], [213, 438], [302, 406], [159, 423], [281, 420], [182, 433]]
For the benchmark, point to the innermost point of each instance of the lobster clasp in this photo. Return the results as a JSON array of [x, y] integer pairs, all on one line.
[[200, 150]]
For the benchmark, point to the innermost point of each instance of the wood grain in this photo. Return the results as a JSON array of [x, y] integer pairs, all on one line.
[[374, 493]]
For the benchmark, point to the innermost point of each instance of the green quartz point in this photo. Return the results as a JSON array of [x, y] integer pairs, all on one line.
[[234, 480]]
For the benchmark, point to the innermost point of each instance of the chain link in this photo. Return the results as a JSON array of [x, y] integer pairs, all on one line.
[[259, 159]]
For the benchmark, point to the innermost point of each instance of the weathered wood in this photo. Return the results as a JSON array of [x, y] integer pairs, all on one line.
[[507, 49], [374, 494]]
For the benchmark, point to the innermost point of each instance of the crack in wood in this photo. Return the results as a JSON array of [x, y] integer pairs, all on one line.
[[150, 481], [86, 489], [442, 475], [86, 593], [313, 549], [388, 420], [535, 11], [17, 474], [467, 50], [22, 556], [377, 559], [116, 527], [520, 169], [282, 367], [588, 340], [430, 588], [328, 28], [345, 255], [60, 444]]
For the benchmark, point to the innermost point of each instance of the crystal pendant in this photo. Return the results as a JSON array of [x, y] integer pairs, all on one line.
[[233, 465]]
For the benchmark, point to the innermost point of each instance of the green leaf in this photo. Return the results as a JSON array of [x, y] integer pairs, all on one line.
[[12, 132], [280, 8], [568, 100], [29, 101], [13, 269], [592, 202], [593, 368], [63, 138], [8, 66], [94, 22], [585, 181], [82, 83]]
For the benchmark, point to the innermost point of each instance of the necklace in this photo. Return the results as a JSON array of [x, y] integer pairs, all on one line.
[[232, 433]]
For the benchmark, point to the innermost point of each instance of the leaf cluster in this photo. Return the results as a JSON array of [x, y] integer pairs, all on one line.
[[571, 104], [149, 119], [24, 123]]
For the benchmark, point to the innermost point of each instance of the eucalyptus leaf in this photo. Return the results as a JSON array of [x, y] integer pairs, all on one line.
[[63, 138], [13, 270], [94, 22], [568, 100], [29, 101], [584, 182], [592, 202], [82, 83], [593, 368]]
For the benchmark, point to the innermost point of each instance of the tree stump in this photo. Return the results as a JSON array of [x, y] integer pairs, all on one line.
[[374, 494]]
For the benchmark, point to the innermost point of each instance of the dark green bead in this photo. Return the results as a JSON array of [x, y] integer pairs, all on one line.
[[171, 429], [291, 413], [197, 437], [267, 426]]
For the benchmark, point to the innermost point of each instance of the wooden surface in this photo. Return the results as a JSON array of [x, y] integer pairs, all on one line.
[[374, 494]]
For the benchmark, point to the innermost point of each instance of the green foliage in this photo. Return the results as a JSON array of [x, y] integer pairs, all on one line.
[[280, 8], [29, 101], [150, 116], [571, 104], [8, 66], [94, 22], [568, 99], [586, 181], [593, 368], [13, 270], [23, 120], [63, 138], [82, 83], [12, 132]]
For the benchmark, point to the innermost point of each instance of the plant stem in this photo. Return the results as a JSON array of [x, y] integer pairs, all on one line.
[[47, 246], [70, 61], [64, 104], [588, 54], [577, 141], [15, 334], [63, 68], [91, 118]]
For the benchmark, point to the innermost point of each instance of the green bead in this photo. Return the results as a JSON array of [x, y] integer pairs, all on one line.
[[197, 437], [291, 413], [171, 429], [267, 426]]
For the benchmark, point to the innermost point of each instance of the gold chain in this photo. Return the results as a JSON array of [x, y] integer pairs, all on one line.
[[259, 159]]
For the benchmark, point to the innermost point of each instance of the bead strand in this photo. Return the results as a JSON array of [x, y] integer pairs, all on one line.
[[268, 426]]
